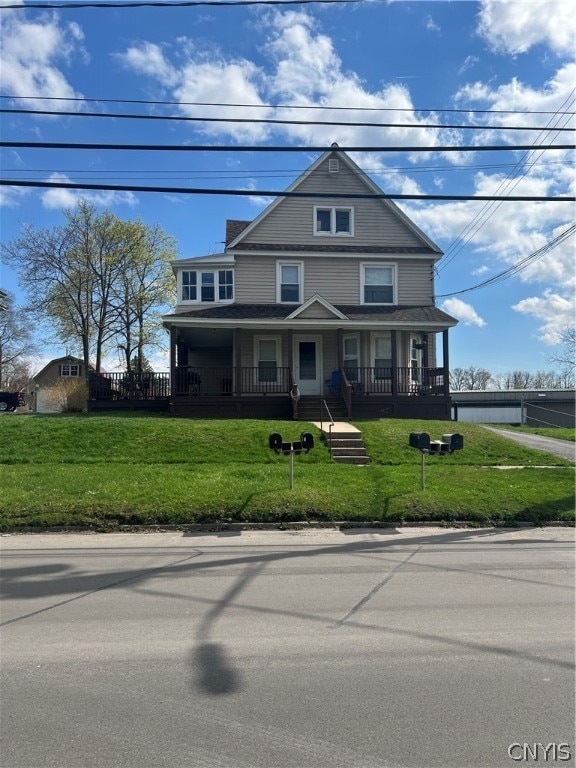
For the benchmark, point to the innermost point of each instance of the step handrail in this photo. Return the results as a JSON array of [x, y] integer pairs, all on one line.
[[323, 405]]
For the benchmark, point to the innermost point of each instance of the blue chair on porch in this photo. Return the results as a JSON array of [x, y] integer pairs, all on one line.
[[333, 383]]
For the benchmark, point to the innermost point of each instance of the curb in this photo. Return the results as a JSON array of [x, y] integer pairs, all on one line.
[[286, 526]]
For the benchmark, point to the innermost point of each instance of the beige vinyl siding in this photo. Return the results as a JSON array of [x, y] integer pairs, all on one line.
[[292, 219], [336, 279], [255, 279], [415, 282]]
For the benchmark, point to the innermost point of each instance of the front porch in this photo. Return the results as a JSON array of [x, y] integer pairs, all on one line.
[[267, 392]]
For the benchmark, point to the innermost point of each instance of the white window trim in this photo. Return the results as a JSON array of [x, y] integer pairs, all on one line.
[[333, 209], [279, 265], [198, 300], [368, 265], [267, 337], [69, 367]]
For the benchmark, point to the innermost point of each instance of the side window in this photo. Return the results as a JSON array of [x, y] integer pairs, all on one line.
[[289, 278], [225, 285], [207, 286], [189, 286], [378, 284]]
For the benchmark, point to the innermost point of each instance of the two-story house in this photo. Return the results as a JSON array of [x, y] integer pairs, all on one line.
[[327, 295]]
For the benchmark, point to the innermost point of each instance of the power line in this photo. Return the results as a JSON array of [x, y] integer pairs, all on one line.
[[276, 173], [235, 148], [274, 193], [317, 107], [518, 267], [273, 121], [181, 3], [488, 210]]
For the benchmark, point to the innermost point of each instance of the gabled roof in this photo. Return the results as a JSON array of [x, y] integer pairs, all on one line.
[[67, 359], [372, 187], [317, 299]]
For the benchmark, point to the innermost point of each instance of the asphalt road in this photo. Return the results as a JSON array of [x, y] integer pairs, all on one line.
[[316, 649]]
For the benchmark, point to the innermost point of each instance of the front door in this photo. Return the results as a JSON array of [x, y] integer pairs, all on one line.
[[307, 364]]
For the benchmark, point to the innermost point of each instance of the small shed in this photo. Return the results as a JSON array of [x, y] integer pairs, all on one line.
[[51, 381]]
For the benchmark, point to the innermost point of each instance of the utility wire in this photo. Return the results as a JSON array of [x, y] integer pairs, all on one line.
[[273, 193], [286, 106], [518, 267], [182, 3], [244, 148], [273, 121], [488, 210]]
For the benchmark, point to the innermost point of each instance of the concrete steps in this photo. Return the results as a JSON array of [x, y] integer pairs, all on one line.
[[346, 444]]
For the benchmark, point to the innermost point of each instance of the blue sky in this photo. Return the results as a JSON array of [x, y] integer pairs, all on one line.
[[413, 59]]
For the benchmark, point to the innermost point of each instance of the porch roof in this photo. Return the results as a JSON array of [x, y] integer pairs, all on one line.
[[248, 314]]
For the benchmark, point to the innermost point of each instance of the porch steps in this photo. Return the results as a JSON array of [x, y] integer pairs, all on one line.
[[346, 443], [311, 409]]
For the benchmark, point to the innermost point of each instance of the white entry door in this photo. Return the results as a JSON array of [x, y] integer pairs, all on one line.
[[308, 364]]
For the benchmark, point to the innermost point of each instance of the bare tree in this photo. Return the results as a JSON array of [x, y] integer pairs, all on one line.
[[93, 278], [566, 357], [15, 343]]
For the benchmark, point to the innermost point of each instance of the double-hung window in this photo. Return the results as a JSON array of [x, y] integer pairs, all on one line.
[[289, 282], [378, 283], [334, 221], [207, 286], [267, 354], [351, 358], [382, 357]]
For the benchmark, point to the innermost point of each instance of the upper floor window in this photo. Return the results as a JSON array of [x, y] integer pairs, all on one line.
[[334, 221], [378, 283], [289, 282], [207, 285], [69, 369]]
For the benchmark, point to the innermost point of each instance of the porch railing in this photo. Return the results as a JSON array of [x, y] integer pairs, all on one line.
[[215, 381], [408, 381], [129, 386]]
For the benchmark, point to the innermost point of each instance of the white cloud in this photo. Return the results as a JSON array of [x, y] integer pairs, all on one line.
[[431, 25], [553, 311], [469, 62], [61, 198], [463, 311], [11, 197], [29, 56], [514, 26]]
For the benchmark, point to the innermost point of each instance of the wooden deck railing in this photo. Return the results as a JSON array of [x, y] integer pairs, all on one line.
[[129, 386], [408, 381], [214, 381]]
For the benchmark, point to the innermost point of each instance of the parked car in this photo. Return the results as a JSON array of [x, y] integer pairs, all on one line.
[[9, 401]]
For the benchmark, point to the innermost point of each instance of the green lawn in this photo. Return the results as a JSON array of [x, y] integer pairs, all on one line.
[[105, 470]]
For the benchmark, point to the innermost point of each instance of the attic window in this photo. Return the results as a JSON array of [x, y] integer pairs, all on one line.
[[69, 369], [337, 222], [333, 165]]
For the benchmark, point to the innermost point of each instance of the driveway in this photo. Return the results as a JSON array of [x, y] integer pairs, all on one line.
[[562, 448]]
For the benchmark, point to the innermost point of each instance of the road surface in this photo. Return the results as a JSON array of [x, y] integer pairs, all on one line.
[[335, 649]]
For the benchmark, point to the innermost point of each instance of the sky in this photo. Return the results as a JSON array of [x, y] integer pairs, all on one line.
[[498, 65]]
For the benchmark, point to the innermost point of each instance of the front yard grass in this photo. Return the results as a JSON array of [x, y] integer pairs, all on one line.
[[108, 470]]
